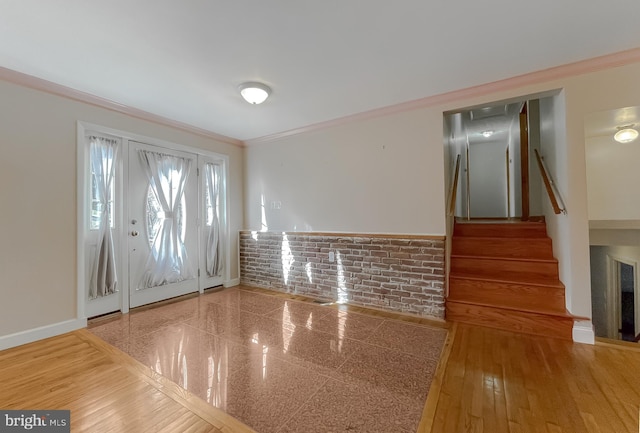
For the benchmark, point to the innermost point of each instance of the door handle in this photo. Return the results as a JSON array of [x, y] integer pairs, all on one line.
[[134, 233]]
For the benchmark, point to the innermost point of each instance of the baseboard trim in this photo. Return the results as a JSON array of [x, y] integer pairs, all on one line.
[[31, 335], [232, 283], [583, 332]]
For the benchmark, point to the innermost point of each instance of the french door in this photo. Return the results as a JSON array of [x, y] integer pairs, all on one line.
[[154, 221], [162, 224]]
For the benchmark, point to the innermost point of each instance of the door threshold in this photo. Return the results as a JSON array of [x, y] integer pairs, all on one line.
[[617, 344]]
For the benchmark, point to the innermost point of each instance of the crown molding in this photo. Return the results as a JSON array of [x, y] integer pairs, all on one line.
[[571, 69], [40, 84]]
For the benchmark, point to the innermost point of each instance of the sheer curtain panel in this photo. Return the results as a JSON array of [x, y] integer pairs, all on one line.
[[104, 157], [168, 262], [214, 246]]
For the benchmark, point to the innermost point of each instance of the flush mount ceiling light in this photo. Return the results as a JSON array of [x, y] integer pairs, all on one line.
[[254, 93], [625, 134], [488, 133]]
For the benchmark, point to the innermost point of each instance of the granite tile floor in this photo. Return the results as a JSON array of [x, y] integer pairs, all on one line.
[[281, 365]]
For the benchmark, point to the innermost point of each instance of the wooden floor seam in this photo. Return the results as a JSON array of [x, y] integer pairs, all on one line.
[[210, 414]]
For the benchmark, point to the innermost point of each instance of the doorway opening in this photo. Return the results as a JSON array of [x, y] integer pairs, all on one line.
[[498, 145], [624, 303]]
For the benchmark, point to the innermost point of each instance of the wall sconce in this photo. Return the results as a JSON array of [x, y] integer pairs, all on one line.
[[254, 93], [625, 134]]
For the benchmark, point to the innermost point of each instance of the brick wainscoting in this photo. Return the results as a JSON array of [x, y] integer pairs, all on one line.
[[391, 272]]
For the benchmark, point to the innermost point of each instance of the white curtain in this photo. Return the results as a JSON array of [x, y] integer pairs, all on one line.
[[168, 262], [103, 155], [213, 247]]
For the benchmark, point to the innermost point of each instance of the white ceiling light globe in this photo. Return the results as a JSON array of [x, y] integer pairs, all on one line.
[[626, 135], [254, 93]]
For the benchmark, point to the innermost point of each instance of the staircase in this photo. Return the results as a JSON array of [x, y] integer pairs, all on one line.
[[503, 275]]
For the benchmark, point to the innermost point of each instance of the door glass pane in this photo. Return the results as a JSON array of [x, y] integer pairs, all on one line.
[[155, 217], [96, 211], [212, 196], [214, 262], [102, 161]]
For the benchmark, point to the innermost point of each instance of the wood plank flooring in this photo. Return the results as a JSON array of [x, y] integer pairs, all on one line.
[[498, 381], [489, 381], [105, 390]]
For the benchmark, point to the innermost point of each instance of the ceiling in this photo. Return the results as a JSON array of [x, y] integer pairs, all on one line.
[[607, 123], [496, 120], [324, 60]]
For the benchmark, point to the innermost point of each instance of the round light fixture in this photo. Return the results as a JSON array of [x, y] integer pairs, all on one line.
[[488, 133], [625, 134], [254, 93]]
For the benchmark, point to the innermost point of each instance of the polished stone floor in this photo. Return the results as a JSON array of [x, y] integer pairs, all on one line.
[[281, 365]]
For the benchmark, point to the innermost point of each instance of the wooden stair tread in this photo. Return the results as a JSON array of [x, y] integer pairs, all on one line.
[[509, 259], [513, 304], [489, 221], [523, 294], [556, 284], [509, 268], [504, 238], [510, 277], [501, 230], [511, 320], [502, 247]]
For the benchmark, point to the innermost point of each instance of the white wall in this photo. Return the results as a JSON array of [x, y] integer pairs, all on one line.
[[614, 237], [456, 145], [612, 179], [515, 170], [555, 153], [38, 196], [536, 187], [588, 93], [378, 176]]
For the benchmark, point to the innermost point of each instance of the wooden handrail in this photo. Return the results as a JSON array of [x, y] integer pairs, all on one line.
[[454, 188], [548, 184]]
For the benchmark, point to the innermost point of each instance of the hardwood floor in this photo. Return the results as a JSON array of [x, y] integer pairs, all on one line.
[[498, 381], [488, 381], [105, 390]]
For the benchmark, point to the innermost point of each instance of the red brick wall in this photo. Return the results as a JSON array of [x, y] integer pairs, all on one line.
[[402, 274]]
